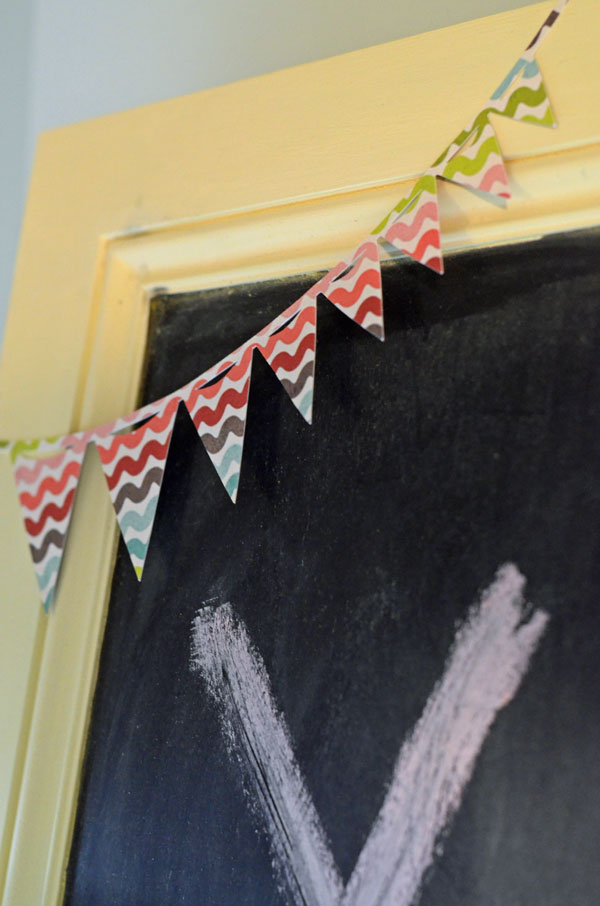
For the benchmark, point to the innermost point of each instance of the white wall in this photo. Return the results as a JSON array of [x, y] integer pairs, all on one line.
[[66, 60]]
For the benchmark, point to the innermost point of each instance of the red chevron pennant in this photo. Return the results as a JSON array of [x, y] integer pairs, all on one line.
[[356, 289], [219, 411], [290, 351], [46, 489], [134, 466], [415, 231]]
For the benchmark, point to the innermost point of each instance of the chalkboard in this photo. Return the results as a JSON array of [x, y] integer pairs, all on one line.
[[468, 440]]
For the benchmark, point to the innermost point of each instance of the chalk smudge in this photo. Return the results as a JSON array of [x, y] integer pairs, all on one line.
[[488, 660]]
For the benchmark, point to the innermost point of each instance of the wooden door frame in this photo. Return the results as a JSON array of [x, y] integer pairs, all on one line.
[[268, 177]]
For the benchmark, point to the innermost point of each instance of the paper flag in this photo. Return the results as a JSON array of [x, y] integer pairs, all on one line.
[[218, 411], [290, 351], [522, 95], [356, 290], [474, 159], [46, 489], [134, 466], [416, 232]]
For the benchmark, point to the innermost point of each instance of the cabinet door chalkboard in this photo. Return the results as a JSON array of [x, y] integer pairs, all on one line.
[[375, 679]]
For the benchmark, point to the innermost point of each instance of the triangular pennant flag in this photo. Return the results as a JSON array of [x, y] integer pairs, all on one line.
[[134, 466], [475, 160], [356, 290], [416, 231], [290, 351], [46, 489], [522, 95], [218, 411]]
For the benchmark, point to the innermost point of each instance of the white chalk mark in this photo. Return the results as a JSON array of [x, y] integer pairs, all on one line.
[[237, 679], [489, 658]]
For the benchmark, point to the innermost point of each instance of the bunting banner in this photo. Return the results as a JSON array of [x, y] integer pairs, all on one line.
[[134, 448]]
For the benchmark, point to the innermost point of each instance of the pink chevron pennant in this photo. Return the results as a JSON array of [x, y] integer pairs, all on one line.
[[414, 226], [46, 489], [134, 466], [355, 288], [219, 409], [290, 351]]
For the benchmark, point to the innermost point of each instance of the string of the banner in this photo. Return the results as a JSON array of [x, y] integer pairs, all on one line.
[[134, 455]]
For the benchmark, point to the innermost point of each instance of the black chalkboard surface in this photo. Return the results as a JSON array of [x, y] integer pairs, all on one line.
[[468, 440]]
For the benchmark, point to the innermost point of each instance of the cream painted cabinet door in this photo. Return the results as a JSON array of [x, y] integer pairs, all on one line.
[[270, 177]]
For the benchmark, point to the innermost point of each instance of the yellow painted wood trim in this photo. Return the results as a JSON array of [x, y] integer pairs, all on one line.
[[271, 176]]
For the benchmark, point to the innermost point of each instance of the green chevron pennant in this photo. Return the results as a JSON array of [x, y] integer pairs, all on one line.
[[522, 95], [474, 159]]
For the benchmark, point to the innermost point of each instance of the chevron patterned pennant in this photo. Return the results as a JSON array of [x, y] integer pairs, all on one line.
[[290, 351], [356, 288], [416, 230], [522, 95], [218, 409], [46, 489], [474, 159], [134, 466]]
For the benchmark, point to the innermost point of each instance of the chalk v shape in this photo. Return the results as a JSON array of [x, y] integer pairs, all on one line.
[[488, 660]]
